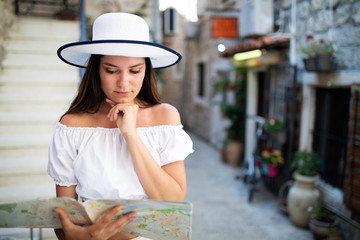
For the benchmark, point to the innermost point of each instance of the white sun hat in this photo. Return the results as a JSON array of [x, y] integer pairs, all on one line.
[[119, 34]]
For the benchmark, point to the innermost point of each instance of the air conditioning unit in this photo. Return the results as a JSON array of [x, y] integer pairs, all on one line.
[[256, 17], [170, 21]]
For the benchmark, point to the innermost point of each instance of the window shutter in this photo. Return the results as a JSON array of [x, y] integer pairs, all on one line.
[[352, 172], [170, 21]]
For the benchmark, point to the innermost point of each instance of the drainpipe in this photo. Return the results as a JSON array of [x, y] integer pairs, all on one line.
[[82, 30], [293, 34], [155, 16]]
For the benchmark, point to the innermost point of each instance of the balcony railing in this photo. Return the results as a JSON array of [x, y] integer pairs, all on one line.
[[69, 9]]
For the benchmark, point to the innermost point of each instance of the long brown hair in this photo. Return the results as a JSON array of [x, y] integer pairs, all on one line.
[[90, 94]]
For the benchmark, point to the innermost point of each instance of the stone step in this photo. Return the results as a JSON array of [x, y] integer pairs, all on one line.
[[49, 89], [24, 167], [36, 88], [27, 128], [49, 29], [21, 141], [17, 172], [24, 234], [34, 152], [27, 192], [35, 103], [32, 60], [21, 88], [61, 74], [28, 123], [34, 46], [35, 107], [29, 118]]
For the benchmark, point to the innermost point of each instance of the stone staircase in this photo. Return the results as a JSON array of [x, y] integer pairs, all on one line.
[[36, 87]]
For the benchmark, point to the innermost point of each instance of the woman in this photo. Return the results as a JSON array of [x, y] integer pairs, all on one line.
[[117, 140]]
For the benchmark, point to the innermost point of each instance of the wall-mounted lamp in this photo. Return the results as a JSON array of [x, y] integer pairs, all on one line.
[[247, 55], [221, 47]]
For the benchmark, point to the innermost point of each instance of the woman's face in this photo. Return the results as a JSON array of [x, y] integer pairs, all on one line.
[[121, 77]]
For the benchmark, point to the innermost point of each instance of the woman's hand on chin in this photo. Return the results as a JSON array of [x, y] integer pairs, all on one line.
[[125, 115]]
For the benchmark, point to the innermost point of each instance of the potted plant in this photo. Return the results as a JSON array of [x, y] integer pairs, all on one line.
[[276, 129], [303, 194], [318, 54], [322, 222], [235, 112], [272, 160]]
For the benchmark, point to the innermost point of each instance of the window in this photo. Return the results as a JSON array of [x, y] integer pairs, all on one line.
[[201, 80], [170, 21]]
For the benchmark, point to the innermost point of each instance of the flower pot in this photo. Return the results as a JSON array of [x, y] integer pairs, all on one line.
[[264, 168], [233, 152], [310, 64], [279, 137], [322, 230], [272, 171], [321, 63], [324, 63], [301, 196]]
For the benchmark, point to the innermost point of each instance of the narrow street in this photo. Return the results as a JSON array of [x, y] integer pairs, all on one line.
[[221, 209]]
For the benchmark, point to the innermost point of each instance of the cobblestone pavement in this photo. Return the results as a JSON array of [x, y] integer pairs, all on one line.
[[221, 210]]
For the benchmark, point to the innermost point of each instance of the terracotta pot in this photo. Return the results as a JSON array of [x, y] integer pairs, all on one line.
[[302, 195], [234, 151]]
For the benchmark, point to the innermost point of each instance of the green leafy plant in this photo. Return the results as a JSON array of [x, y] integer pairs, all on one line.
[[314, 47], [234, 111], [272, 124], [306, 163], [321, 213]]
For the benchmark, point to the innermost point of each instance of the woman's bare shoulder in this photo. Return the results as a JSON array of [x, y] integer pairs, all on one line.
[[76, 120], [166, 114]]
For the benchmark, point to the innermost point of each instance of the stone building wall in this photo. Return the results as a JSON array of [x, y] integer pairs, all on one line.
[[339, 23], [202, 116]]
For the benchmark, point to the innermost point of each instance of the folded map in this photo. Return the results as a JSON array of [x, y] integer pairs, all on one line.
[[160, 220]]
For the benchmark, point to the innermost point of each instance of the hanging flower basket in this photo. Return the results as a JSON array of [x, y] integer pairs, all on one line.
[[321, 63], [318, 54]]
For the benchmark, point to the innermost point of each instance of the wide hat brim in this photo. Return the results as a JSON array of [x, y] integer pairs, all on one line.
[[78, 53]]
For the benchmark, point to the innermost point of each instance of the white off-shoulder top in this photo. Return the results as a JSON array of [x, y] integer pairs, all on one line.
[[98, 162]]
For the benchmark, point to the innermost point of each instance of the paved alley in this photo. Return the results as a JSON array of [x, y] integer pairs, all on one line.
[[221, 209]]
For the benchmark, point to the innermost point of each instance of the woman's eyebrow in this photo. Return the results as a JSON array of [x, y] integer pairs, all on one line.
[[137, 65], [112, 65]]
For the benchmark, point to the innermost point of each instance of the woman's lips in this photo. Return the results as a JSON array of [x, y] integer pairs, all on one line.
[[122, 93]]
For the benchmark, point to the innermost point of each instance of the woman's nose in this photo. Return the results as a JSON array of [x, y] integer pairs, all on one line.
[[122, 79]]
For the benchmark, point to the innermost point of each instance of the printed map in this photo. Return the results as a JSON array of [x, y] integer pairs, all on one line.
[[156, 219]]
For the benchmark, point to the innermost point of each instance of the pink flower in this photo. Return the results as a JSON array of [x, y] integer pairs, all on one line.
[[309, 37]]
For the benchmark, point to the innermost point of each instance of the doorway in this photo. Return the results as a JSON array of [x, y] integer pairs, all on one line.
[[330, 132]]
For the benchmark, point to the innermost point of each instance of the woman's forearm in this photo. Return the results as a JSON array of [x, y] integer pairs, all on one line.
[[164, 183]]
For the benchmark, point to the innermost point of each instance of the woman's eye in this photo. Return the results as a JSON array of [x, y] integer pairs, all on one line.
[[135, 71], [109, 71]]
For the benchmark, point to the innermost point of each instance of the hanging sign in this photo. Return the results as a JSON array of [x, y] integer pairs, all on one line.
[[224, 27]]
